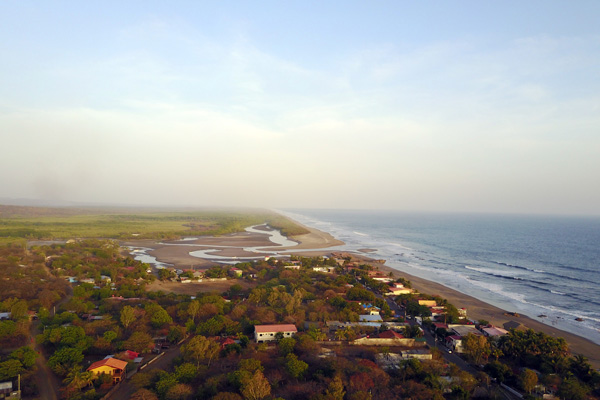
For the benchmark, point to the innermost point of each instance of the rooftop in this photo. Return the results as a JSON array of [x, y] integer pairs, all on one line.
[[275, 328]]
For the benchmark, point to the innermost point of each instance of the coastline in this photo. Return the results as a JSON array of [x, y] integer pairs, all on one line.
[[478, 309], [321, 242]]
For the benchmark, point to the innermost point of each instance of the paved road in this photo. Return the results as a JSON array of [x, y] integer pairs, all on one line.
[[449, 357], [431, 342], [126, 388]]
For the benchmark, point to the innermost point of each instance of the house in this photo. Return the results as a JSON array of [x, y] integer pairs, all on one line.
[[6, 391], [390, 335], [492, 331], [267, 333], [292, 266], [383, 279], [397, 291], [371, 309], [326, 269], [437, 312], [224, 342], [4, 315], [235, 272], [454, 342], [370, 318], [428, 303], [464, 330], [439, 325], [132, 355], [419, 354], [462, 313], [110, 366]]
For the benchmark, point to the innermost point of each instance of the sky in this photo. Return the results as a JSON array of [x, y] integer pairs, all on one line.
[[445, 106]]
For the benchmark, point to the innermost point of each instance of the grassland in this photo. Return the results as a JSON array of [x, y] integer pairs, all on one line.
[[18, 223]]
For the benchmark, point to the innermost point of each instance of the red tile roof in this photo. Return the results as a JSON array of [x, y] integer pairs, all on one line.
[[109, 362], [390, 335], [275, 328]]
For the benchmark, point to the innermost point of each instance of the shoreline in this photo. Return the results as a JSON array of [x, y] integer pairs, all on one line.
[[479, 309], [321, 242]]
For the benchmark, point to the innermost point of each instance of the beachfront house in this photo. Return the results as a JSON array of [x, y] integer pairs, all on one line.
[[268, 333], [493, 331]]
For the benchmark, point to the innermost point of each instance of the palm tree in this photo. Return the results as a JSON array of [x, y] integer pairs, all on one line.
[[77, 379]]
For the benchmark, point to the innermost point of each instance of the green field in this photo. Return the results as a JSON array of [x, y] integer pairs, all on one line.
[[67, 223]]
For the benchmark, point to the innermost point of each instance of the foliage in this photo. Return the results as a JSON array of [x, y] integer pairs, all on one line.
[[186, 372], [200, 348], [528, 380], [127, 316], [499, 371], [10, 369], [571, 389], [140, 342], [64, 359], [476, 347], [295, 367], [143, 394], [257, 387], [286, 346], [532, 348], [158, 315]]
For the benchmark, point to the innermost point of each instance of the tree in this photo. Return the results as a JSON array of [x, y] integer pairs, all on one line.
[[64, 359], [109, 336], [295, 367], [286, 346], [193, 309], [200, 348], [335, 390], [76, 379], [19, 310], [528, 380], [26, 355], [144, 394], [158, 315], [227, 396], [164, 274], [186, 372], [361, 382], [176, 333], [477, 347], [139, 342], [256, 388], [127, 316], [180, 391], [571, 389], [10, 369], [498, 370]]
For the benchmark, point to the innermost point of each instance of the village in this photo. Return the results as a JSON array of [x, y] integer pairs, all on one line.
[[324, 323]]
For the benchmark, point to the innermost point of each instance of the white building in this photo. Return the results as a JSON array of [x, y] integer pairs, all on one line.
[[267, 333]]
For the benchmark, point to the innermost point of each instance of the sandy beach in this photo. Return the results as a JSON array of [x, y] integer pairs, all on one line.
[[177, 253], [477, 310]]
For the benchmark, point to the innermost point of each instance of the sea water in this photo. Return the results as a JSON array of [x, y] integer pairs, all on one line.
[[546, 267]]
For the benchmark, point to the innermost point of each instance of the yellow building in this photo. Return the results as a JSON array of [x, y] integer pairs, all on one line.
[[110, 366]]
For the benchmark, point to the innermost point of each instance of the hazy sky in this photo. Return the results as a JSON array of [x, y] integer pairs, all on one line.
[[448, 106]]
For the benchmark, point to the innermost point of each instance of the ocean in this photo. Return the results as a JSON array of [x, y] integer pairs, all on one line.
[[545, 267]]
